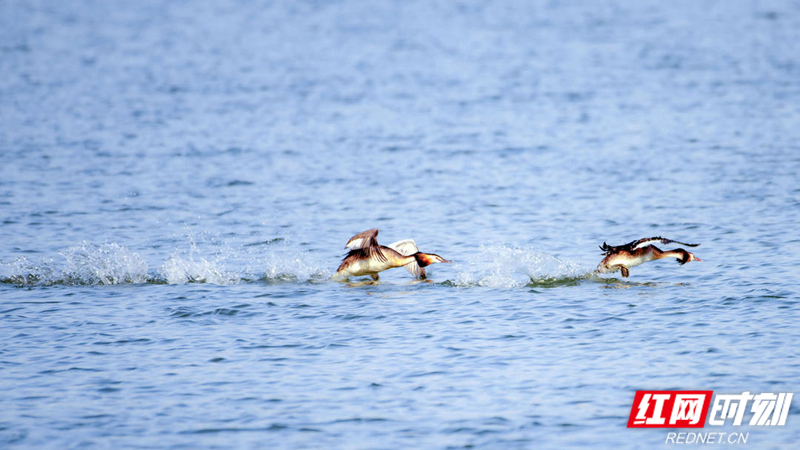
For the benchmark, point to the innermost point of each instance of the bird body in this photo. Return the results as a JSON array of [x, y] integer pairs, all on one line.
[[359, 262], [623, 257], [367, 257]]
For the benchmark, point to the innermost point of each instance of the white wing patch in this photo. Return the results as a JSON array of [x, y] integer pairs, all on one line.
[[644, 242], [408, 247], [414, 269], [365, 239], [355, 244]]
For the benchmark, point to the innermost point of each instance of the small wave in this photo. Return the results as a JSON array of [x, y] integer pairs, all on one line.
[[500, 266]]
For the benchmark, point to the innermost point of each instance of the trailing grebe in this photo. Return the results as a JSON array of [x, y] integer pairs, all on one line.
[[366, 257]]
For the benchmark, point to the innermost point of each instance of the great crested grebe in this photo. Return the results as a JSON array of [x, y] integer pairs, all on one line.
[[623, 257], [366, 257]]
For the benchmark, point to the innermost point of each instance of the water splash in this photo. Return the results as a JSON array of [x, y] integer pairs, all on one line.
[[500, 266], [25, 272], [206, 259], [287, 266], [194, 268], [496, 266], [202, 261], [86, 264], [104, 264]]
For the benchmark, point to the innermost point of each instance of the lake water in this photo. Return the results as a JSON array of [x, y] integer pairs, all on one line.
[[177, 183]]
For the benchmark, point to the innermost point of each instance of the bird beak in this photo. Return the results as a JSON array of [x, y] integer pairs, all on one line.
[[446, 260]]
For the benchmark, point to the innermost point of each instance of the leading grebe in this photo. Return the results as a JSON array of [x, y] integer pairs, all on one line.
[[622, 257], [366, 257]]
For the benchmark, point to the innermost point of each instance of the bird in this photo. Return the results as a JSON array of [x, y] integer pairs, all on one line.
[[623, 257], [367, 257]]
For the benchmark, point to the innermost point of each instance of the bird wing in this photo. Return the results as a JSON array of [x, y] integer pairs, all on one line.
[[368, 242], [633, 245], [647, 241], [364, 239], [408, 247]]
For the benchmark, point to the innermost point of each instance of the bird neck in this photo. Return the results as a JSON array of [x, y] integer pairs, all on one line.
[[679, 254], [396, 258]]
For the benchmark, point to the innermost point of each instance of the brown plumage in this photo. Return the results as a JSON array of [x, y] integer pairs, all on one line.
[[623, 257], [368, 242], [367, 257]]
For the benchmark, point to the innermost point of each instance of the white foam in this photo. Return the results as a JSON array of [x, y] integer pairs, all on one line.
[[502, 266]]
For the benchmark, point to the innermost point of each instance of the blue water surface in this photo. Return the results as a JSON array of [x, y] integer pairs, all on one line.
[[178, 180]]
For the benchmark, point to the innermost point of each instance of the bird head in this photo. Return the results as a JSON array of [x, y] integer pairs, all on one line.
[[688, 256], [426, 259]]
